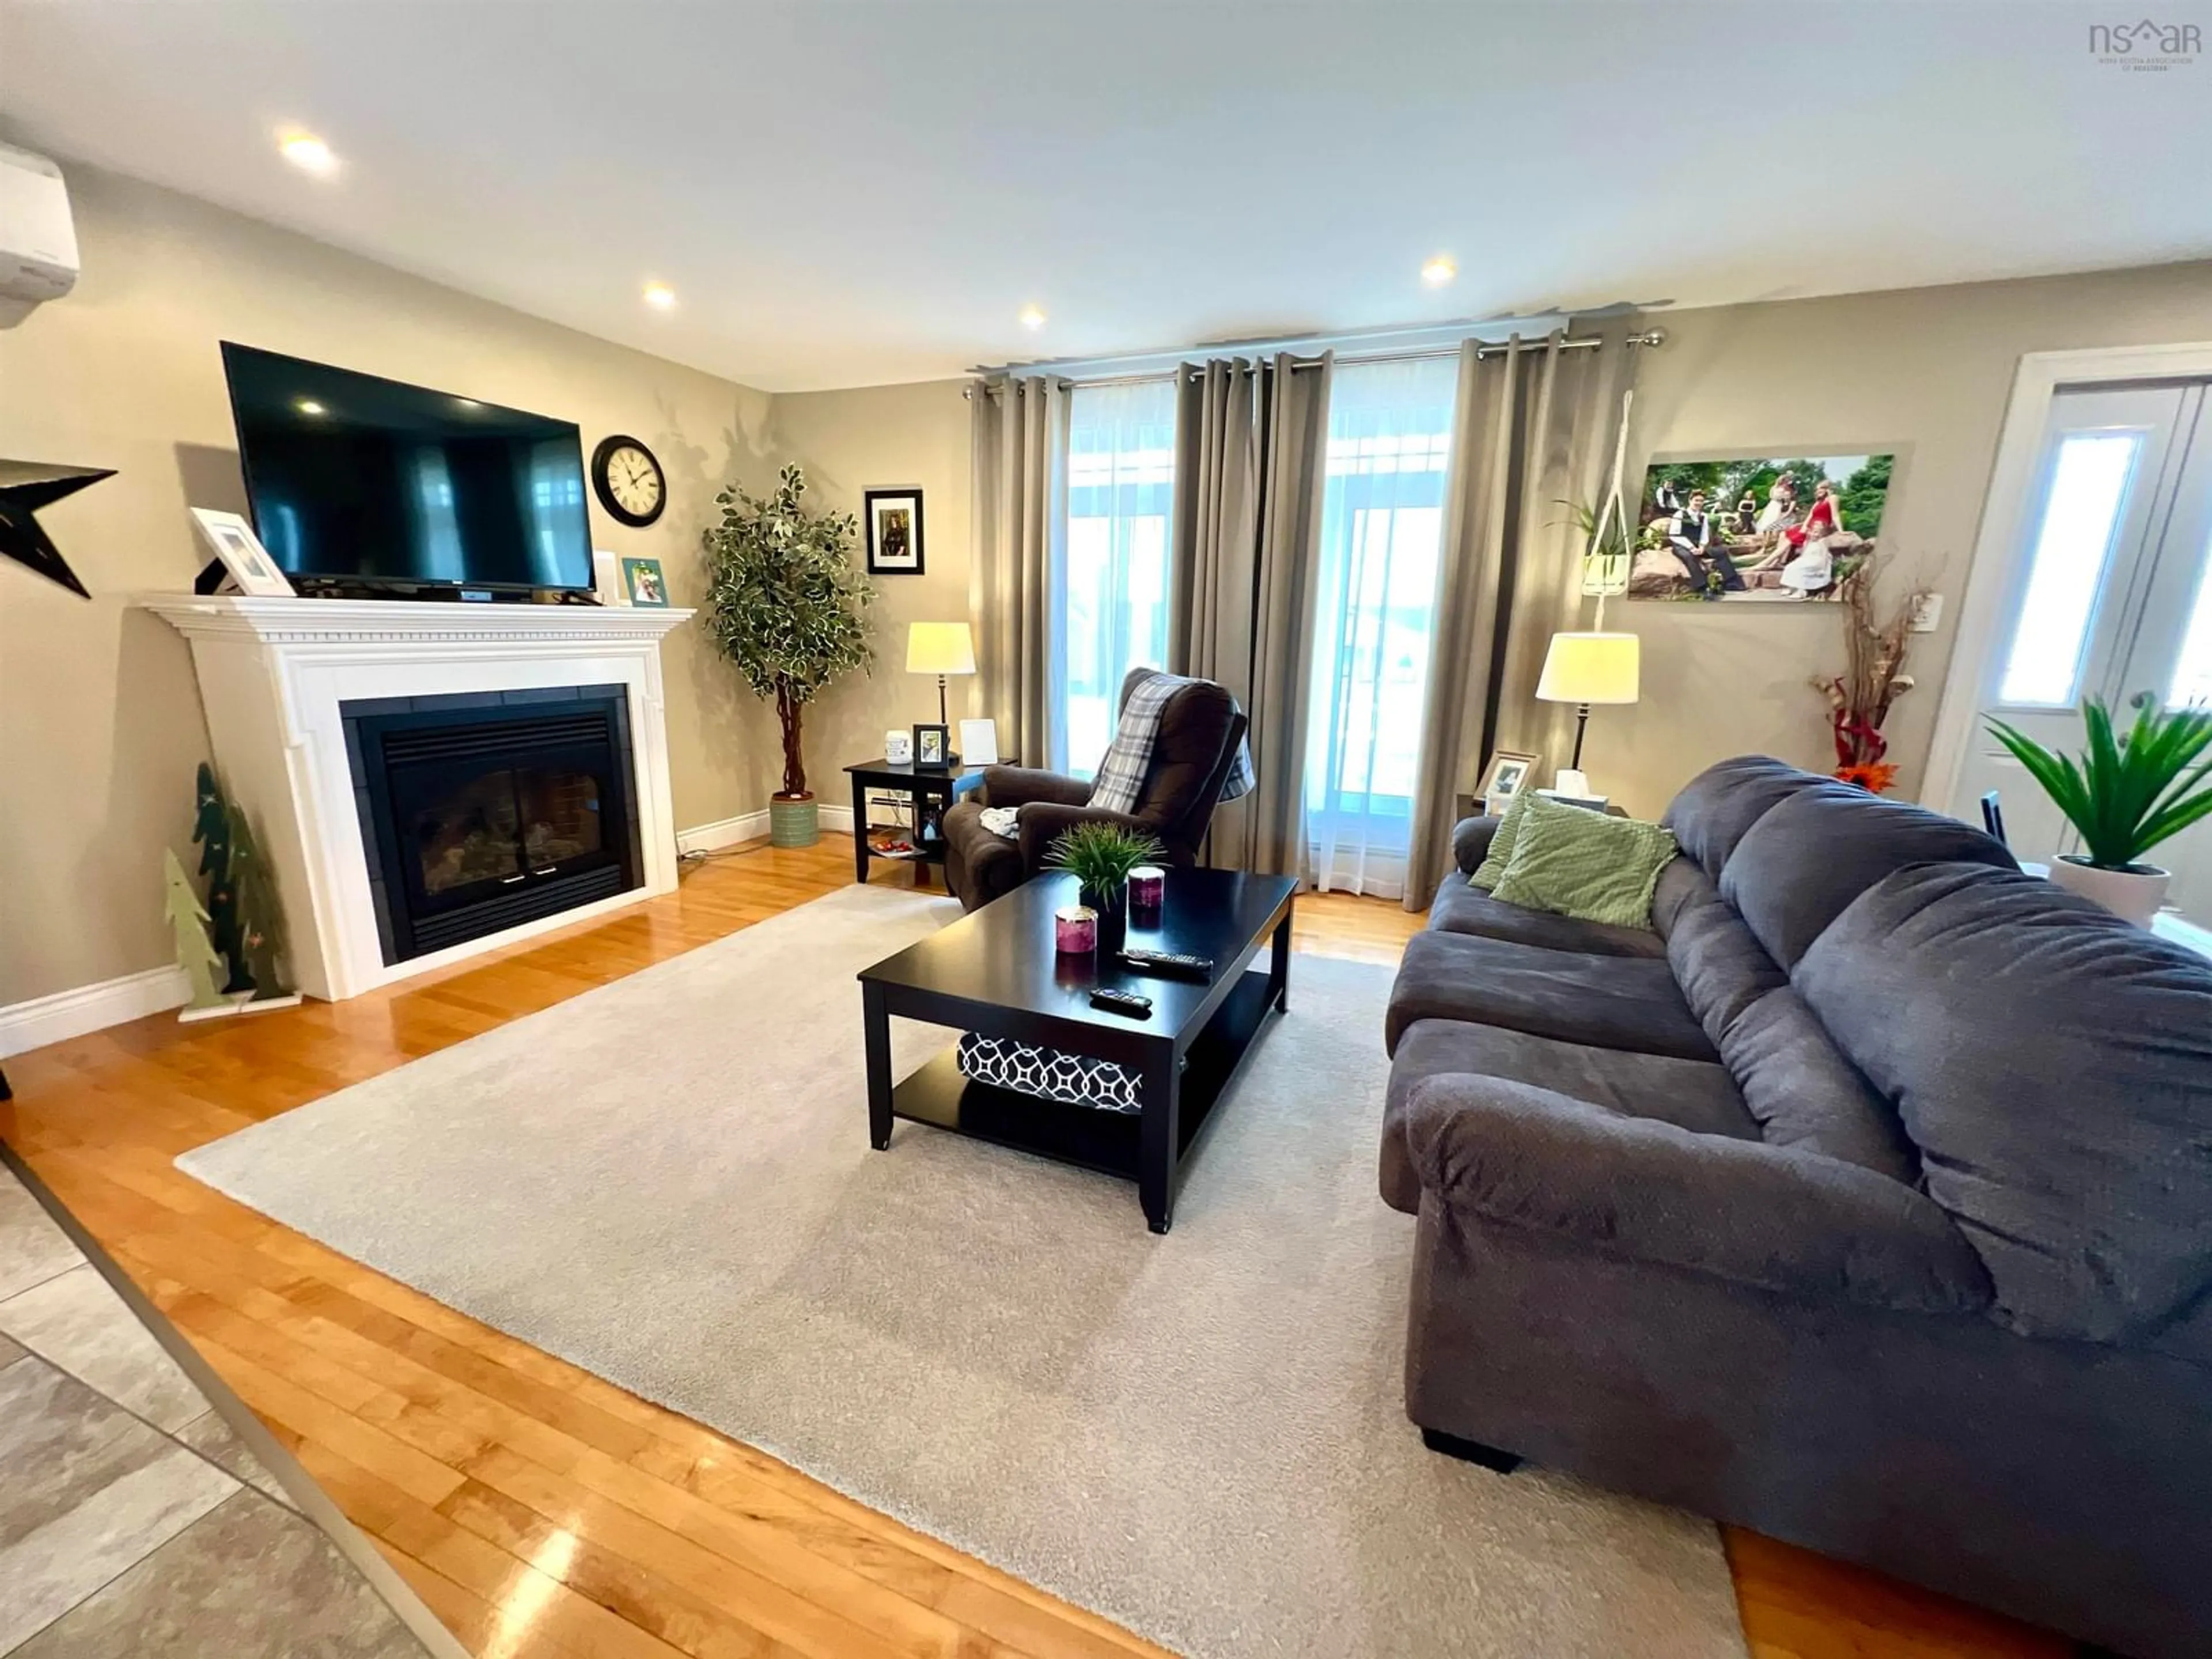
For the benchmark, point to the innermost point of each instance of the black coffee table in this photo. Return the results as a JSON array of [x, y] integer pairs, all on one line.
[[996, 972]]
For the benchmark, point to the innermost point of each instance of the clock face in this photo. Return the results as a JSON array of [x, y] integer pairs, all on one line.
[[629, 480]]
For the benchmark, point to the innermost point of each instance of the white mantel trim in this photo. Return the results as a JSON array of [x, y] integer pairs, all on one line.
[[354, 622]]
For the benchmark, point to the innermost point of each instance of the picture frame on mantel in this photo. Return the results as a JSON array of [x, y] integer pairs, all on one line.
[[246, 564], [894, 521]]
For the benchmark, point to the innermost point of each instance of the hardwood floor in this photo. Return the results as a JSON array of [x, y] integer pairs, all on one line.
[[539, 1510]]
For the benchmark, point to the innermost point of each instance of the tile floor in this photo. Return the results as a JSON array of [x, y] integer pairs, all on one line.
[[132, 1517]]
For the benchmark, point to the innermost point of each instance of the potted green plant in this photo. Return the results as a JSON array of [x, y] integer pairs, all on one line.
[[2123, 796], [1100, 857], [789, 607]]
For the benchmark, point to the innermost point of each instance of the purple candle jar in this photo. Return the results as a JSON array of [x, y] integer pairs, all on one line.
[[1075, 930], [1147, 890]]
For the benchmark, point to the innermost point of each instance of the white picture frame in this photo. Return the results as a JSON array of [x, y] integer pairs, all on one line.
[[232, 540], [979, 742]]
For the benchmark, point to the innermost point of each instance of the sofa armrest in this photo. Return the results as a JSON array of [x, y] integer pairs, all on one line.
[[1768, 1217], [1042, 822], [1471, 841], [1017, 786]]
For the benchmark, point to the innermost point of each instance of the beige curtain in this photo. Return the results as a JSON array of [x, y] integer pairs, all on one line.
[[1534, 429], [1019, 428], [1251, 445]]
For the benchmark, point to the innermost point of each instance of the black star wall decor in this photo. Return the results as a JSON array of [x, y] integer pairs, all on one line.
[[21, 537]]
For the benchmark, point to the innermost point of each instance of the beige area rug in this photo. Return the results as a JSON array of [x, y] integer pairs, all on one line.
[[667, 1181]]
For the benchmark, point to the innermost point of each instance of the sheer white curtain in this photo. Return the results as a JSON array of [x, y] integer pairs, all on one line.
[[1382, 507], [1120, 491]]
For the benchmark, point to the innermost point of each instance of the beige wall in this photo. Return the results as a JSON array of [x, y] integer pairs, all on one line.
[[1926, 372], [879, 438], [99, 720]]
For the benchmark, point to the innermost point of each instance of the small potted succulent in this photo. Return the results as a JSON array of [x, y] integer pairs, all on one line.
[[2124, 795], [1100, 856]]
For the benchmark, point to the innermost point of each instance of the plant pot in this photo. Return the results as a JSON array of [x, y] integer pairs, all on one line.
[[795, 820], [1113, 920], [2133, 894]]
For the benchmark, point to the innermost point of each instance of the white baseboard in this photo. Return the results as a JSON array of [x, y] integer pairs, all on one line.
[[752, 826], [66, 1014]]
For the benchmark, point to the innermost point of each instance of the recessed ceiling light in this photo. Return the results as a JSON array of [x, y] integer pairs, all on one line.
[[309, 406], [1031, 317], [660, 296], [1439, 270], [307, 152]]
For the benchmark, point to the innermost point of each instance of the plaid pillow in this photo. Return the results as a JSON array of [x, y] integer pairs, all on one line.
[[1501, 842], [1574, 862]]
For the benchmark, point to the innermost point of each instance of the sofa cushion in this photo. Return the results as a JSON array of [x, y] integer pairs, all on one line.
[[1608, 1002], [2054, 1066], [1806, 1094], [1460, 907], [1690, 1094], [1574, 862], [1499, 852], [1721, 969], [1715, 808], [1806, 858]]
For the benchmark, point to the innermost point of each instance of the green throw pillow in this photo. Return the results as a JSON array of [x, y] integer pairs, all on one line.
[[1501, 842], [1574, 862]]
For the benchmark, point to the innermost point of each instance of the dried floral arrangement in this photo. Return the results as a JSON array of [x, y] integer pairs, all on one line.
[[1875, 642]]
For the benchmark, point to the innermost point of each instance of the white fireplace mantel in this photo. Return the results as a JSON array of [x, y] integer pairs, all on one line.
[[273, 675]]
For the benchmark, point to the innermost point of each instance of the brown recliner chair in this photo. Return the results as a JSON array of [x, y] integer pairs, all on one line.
[[1200, 728]]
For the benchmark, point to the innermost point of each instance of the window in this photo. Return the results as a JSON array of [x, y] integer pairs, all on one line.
[[1382, 508], [2080, 520], [1121, 490]]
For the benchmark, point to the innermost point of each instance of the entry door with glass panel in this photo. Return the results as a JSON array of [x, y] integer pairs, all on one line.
[[2112, 596]]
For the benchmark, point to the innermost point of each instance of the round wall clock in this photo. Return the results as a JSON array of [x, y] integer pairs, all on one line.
[[629, 481]]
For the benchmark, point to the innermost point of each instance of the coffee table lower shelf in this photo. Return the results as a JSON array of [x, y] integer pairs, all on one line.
[[1111, 1143]]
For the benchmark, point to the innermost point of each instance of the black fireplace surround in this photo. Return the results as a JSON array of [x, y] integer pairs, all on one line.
[[482, 811]]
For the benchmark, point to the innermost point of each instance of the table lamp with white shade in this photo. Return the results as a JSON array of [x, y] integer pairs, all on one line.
[[1584, 669], [939, 648]]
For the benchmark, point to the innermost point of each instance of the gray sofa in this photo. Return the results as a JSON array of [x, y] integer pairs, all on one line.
[[1867, 1202]]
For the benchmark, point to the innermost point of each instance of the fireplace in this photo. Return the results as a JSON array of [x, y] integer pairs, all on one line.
[[480, 811]]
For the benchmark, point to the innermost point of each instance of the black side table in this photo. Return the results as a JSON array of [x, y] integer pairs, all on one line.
[[932, 790]]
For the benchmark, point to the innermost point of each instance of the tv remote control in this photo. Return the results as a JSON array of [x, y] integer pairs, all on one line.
[[1123, 1002], [1168, 964]]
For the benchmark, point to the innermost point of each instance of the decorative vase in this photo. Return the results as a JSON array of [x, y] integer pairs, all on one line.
[[796, 821], [2133, 894]]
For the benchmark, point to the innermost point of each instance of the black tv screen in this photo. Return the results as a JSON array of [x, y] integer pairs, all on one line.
[[360, 480]]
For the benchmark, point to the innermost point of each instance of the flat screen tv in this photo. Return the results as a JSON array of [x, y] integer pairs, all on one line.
[[360, 482]]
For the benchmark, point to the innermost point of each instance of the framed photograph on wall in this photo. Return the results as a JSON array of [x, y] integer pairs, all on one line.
[[894, 519], [1758, 528], [252, 570]]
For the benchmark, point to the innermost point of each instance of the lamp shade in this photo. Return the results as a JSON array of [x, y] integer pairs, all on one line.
[[1591, 668], [939, 648]]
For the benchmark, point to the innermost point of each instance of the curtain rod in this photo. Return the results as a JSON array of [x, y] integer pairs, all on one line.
[[1650, 338]]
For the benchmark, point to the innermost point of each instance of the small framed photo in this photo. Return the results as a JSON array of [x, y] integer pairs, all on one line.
[[979, 742], [894, 519], [252, 570], [932, 746], [1506, 776], [643, 582]]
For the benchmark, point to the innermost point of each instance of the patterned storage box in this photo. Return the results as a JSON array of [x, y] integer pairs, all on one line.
[[1026, 1069]]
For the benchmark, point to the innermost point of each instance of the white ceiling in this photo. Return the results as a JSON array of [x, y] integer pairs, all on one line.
[[852, 192]]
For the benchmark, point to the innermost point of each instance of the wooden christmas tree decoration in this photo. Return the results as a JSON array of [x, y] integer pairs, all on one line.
[[211, 831], [203, 964], [260, 921]]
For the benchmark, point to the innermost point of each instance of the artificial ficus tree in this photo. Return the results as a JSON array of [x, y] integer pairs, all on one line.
[[787, 603]]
